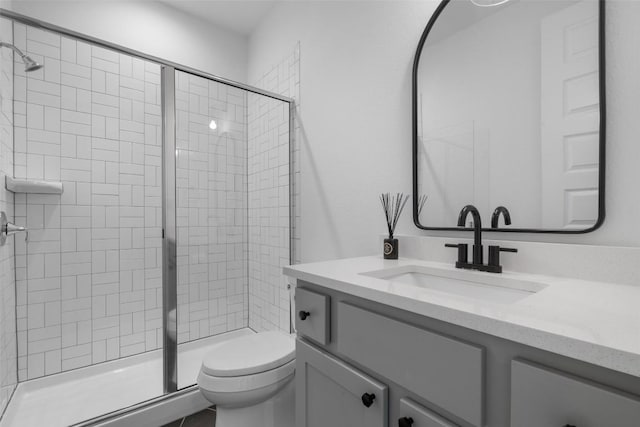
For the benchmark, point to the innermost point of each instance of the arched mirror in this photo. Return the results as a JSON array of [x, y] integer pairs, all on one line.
[[508, 110]]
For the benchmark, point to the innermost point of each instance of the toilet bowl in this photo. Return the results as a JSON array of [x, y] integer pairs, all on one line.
[[250, 380]]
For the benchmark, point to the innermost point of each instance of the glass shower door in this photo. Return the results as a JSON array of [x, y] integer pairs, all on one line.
[[232, 216], [211, 217]]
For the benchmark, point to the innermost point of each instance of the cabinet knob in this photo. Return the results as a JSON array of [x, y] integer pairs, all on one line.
[[303, 314], [368, 398], [405, 422]]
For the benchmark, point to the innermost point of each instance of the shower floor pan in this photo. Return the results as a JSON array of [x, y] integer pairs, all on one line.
[[69, 398]]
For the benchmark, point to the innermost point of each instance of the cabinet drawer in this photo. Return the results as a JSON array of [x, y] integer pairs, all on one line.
[[416, 415], [446, 372], [312, 317], [545, 397], [331, 393]]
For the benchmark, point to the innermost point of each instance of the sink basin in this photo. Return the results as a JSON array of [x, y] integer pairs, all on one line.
[[469, 284]]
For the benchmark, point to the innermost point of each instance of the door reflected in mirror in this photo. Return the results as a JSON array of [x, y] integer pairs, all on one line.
[[508, 103]]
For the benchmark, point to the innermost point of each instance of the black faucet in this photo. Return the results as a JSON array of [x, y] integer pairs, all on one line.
[[494, 251], [500, 210], [477, 230]]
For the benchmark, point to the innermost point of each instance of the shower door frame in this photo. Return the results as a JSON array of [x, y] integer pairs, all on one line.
[[169, 231]]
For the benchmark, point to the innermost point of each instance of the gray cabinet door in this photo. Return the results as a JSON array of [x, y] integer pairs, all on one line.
[[329, 393], [543, 397], [447, 372], [419, 416], [312, 318]]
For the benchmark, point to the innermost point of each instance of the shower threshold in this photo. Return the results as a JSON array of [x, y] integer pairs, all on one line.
[[69, 398]]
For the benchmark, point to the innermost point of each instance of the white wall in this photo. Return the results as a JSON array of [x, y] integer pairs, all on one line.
[[149, 27], [355, 118]]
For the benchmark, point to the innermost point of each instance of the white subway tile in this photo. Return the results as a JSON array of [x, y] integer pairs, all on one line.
[[52, 70], [75, 70], [126, 65], [68, 97], [68, 50], [138, 68], [106, 54], [112, 84], [75, 117], [35, 365], [98, 81], [132, 83], [76, 128], [69, 336], [52, 119], [35, 116], [83, 54], [52, 168], [83, 100], [52, 265], [101, 64], [99, 351], [37, 48], [74, 81], [68, 240]]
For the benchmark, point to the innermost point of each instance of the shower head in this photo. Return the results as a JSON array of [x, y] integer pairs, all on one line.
[[29, 63]]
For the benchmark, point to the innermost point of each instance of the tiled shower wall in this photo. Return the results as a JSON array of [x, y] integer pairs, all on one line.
[[89, 278], [273, 165], [211, 187], [8, 349]]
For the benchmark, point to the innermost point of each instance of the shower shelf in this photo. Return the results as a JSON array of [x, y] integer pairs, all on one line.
[[33, 186]]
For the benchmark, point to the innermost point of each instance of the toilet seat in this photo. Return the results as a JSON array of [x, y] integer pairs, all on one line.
[[246, 383], [250, 354]]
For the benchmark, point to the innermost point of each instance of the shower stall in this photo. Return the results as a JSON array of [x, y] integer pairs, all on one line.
[[157, 201]]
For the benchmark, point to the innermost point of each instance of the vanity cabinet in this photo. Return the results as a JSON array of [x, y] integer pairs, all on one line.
[[428, 373], [331, 393]]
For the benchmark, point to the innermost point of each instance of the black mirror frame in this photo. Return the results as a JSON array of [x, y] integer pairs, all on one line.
[[602, 136]]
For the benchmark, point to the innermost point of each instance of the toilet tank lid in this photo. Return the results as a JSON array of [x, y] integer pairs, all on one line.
[[250, 354]]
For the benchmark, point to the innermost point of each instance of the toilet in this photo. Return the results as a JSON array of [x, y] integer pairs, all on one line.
[[250, 380]]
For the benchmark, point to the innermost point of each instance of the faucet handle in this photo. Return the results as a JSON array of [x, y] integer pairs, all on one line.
[[494, 254], [463, 250]]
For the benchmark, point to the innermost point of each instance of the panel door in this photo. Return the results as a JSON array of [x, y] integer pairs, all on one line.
[[570, 114], [332, 393]]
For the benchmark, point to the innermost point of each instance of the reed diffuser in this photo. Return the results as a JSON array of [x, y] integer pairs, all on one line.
[[392, 206], [421, 202]]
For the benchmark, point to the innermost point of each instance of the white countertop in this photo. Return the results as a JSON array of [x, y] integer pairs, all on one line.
[[595, 322]]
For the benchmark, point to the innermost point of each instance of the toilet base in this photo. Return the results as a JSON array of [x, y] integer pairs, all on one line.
[[277, 411]]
